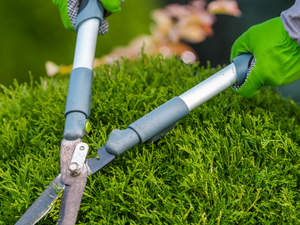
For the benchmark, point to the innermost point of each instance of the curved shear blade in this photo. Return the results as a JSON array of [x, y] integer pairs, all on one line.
[[73, 188], [43, 204], [101, 160], [71, 199], [75, 185]]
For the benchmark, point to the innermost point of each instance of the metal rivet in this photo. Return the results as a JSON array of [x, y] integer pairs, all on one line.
[[74, 168], [82, 148]]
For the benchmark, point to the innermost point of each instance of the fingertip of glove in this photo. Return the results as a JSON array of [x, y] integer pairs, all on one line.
[[245, 93], [112, 6]]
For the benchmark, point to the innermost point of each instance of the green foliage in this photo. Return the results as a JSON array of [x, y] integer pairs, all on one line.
[[231, 161]]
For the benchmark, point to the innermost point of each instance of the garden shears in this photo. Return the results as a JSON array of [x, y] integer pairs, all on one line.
[[74, 167]]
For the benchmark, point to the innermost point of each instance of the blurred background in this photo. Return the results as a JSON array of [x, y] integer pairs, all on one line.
[[32, 33]]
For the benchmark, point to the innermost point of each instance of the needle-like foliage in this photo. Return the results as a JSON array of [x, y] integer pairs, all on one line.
[[231, 161]]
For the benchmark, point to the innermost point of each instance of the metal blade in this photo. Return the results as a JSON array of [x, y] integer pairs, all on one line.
[[67, 149], [102, 159], [72, 194], [71, 200], [43, 204], [75, 185]]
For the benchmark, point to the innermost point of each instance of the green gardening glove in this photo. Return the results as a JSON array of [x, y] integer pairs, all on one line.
[[69, 11], [277, 57]]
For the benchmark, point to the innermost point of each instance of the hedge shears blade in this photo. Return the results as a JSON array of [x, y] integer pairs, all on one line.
[[43, 204], [74, 172], [73, 190]]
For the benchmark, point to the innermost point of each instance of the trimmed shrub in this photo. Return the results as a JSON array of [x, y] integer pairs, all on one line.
[[231, 161]]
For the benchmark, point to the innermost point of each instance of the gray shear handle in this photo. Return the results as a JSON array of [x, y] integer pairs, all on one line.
[[163, 119], [43, 204], [79, 97]]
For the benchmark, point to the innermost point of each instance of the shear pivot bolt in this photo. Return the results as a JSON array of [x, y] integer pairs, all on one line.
[[74, 169]]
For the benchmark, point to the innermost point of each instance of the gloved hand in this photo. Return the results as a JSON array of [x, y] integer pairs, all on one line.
[[277, 57], [69, 11]]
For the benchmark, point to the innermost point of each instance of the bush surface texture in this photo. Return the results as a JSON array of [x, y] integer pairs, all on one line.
[[231, 161]]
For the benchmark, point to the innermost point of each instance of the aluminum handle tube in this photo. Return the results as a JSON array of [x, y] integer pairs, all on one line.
[[210, 87], [86, 44]]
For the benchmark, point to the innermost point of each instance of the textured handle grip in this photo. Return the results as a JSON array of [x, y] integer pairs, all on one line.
[[89, 9], [83, 4], [242, 64]]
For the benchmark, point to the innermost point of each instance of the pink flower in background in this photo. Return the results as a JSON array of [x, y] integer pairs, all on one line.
[[197, 27], [131, 51], [198, 4], [227, 7], [190, 23]]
